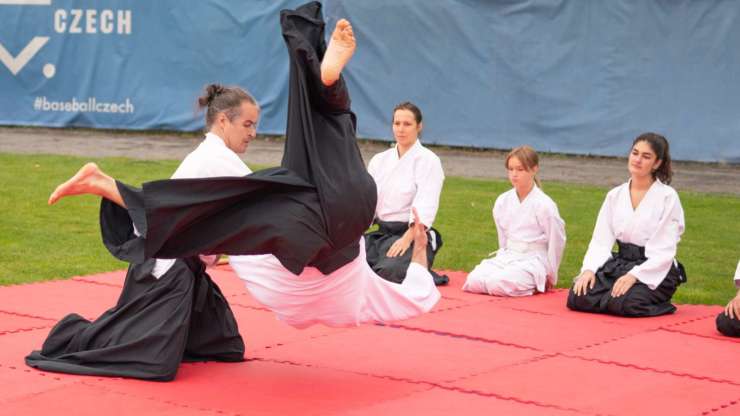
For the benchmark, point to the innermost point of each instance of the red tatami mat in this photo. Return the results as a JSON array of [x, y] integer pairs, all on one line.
[[473, 355]]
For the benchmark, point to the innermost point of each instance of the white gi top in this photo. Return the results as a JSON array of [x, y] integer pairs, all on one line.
[[532, 226], [210, 159], [656, 224], [414, 180]]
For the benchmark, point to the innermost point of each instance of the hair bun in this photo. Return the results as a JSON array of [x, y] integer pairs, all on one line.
[[212, 91]]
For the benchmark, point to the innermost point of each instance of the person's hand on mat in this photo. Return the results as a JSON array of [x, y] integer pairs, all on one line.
[[402, 244], [419, 255], [584, 282], [623, 284], [733, 307]]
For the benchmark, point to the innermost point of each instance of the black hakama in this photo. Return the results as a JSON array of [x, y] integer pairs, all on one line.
[[310, 211], [639, 300], [156, 324], [378, 242], [728, 326]]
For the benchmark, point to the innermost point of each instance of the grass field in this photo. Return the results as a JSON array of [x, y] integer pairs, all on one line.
[[38, 242]]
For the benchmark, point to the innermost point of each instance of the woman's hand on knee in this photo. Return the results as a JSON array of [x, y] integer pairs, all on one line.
[[399, 247], [584, 282], [733, 307], [623, 284]]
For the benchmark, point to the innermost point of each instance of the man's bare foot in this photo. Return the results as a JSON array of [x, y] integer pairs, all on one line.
[[341, 47], [88, 180]]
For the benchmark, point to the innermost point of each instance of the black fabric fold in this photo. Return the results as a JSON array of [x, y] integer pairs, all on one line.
[[310, 211], [640, 300]]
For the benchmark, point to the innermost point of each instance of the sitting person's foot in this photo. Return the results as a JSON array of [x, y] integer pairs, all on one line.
[[85, 181], [339, 51]]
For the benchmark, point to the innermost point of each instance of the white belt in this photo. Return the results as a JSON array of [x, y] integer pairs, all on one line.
[[524, 247]]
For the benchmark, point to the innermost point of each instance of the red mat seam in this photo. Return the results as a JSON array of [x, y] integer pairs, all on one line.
[[280, 344], [607, 341], [94, 282], [721, 407], [651, 369], [256, 308], [25, 315], [461, 336], [19, 330], [716, 338], [688, 321], [431, 384], [39, 373]]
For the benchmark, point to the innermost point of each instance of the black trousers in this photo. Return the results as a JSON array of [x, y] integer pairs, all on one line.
[[639, 300], [394, 269], [311, 211], [728, 326], [155, 325]]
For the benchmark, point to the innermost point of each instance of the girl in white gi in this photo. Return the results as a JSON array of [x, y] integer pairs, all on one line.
[[288, 240], [407, 176], [728, 322], [531, 235], [645, 218]]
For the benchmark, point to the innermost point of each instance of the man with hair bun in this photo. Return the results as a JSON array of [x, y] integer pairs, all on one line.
[[169, 309]]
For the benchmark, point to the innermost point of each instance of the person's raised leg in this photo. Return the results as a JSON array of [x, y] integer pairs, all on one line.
[[338, 53], [89, 180]]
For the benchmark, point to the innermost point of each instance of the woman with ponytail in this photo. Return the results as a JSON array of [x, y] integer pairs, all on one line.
[[645, 218], [531, 235]]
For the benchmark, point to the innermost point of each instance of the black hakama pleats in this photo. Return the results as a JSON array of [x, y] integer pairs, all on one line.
[[378, 242], [639, 300], [156, 324]]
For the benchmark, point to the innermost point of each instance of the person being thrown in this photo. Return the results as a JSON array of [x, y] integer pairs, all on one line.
[[293, 233]]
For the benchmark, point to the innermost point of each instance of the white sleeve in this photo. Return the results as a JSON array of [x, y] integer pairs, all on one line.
[[660, 249], [602, 240], [429, 178], [496, 220], [737, 275], [554, 228]]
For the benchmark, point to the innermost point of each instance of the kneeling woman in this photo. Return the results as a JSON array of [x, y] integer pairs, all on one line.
[[531, 235], [407, 176], [645, 218]]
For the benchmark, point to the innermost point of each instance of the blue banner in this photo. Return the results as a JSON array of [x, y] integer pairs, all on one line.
[[564, 76]]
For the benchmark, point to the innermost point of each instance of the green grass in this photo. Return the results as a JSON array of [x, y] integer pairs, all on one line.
[[38, 242]]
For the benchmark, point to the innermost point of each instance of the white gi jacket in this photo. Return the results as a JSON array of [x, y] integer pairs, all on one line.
[[414, 180], [531, 240], [656, 224]]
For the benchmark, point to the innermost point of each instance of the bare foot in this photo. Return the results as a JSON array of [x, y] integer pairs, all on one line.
[[85, 181], [341, 47]]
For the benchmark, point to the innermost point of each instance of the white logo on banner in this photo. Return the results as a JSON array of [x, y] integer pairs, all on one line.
[[74, 21]]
